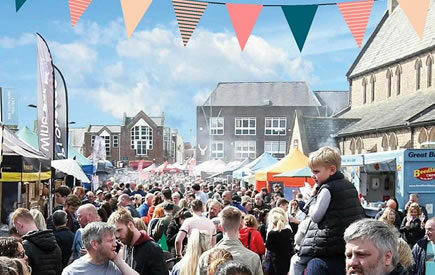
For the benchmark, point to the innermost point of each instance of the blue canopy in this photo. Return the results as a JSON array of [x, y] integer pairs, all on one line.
[[261, 162]]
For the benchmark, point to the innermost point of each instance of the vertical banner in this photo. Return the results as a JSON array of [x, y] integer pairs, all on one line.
[[9, 114], [98, 151], [60, 116], [45, 78]]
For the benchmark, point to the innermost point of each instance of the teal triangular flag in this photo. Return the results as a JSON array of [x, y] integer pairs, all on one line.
[[19, 3], [300, 18]]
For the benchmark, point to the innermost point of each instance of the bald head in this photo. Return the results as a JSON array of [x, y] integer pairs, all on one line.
[[87, 213], [392, 204], [226, 196], [124, 200]]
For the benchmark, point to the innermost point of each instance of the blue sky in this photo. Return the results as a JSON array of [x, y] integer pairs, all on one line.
[[108, 74]]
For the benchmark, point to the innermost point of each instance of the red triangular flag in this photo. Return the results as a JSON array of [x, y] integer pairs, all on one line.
[[77, 8], [243, 17], [356, 15], [188, 14]]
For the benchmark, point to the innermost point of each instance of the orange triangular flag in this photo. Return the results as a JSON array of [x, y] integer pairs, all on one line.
[[133, 11], [416, 11], [188, 14], [77, 8], [356, 15], [243, 17]]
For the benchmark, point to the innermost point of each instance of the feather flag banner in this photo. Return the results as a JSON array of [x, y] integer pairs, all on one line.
[[243, 18], [188, 14], [77, 8]]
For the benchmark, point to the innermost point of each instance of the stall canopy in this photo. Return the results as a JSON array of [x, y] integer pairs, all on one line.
[[297, 173], [70, 167], [294, 161], [231, 167], [21, 162], [265, 160], [209, 167]]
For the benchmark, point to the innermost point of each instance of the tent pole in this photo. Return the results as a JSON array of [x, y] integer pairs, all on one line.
[[19, 195], [50, 201]]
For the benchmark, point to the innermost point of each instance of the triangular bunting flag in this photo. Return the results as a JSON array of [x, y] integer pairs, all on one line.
[[356, 15], [188, 14], [416, 11], [18, 4], [300, 19], [243, 17], [77, 8], [133, 11]]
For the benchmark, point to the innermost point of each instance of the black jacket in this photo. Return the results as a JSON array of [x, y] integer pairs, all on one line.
[[64, 238], [399, 270], [412, 234], [72, 223], [146, 257], [419, 255], [325, 239], [44, 254], [280, 244]]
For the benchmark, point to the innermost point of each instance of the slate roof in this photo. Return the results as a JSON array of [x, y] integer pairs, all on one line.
[[394, 39], [159, 121], [295, 93], [320, 131], [334, 101], [97, 128], [396, 113]]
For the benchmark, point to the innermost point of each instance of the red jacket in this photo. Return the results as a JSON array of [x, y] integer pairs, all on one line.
[[256, 243]]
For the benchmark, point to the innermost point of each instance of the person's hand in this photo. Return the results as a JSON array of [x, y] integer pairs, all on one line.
[[422, 224], [118, 256], [83, 251]]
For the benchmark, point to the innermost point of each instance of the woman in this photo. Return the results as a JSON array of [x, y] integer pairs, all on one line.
[[12, 248], [39, 219], [216, 258], [156, 201], [296, 215], [199, 242], [250, 237], [279, 242], [248, 206], [159, 212], [411, 227], [174, 227], [389, 216], [12, 266]]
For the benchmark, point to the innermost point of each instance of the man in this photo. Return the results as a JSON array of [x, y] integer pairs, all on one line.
[[392, 204], [197, 221], [90, 198], [423, 251], [162, 225], [64, 236], [215, 208], [41, 248], [176, 198], [277, 191], [79, 191], [283, 203], [199, 194], [167, 199], [86, 214], [414, 198], [371, 248], [71, 205], [143, 254], [231, 218], [300, 199], [125, 201], [259, 203], [143, 209], [60, 195], [102, 256], [100, 197]]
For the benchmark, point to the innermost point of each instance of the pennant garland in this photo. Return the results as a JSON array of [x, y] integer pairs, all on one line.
[[188, 14], [133, 11], [19, 4], [300, 19], [416, 11], [77, 8], [356, 14], [243, 17]]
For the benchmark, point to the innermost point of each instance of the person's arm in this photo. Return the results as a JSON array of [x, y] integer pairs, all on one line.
[[179, 243], [123, 266], [319, 209]]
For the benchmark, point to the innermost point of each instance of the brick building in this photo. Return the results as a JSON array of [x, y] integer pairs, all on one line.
[[392, 90]]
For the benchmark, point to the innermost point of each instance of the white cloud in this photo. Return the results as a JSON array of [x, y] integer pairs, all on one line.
[[114, 71], [93, 33], [24, 39], [201, 96]]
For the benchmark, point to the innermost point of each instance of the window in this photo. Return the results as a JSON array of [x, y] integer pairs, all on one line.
[[107, 144], [399, 77], [418, 74], [359, 145], [216, 126], [115, 141], [217, 149], [92, 141], [372, 91], [141, 139], [393, 141], [384, 143], [245, 126], [352, 146], [245, 149], [275, 148], [389, 76], [275, 126], [429, 63], [364, 84]]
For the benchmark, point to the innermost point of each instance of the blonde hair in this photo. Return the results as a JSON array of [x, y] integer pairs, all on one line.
[[199, 242], [251, 221], [325, 156], [22, 214], [277, 219], [217, 257], [405, 253], [39, 219], [122, 215], [140, 224], [385, 214], [415, 206]]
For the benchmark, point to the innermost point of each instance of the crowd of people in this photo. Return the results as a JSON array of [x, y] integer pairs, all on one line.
[[182, 225]]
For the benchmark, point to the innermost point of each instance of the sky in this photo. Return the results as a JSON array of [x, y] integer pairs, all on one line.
[[107, 74]]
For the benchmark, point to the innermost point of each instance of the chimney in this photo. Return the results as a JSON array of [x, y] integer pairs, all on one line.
[[391, 5]]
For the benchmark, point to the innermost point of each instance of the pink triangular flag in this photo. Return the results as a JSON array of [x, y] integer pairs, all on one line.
[[243, 17], [77, 8], [133, 11], [356, 15], [416, 11]]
